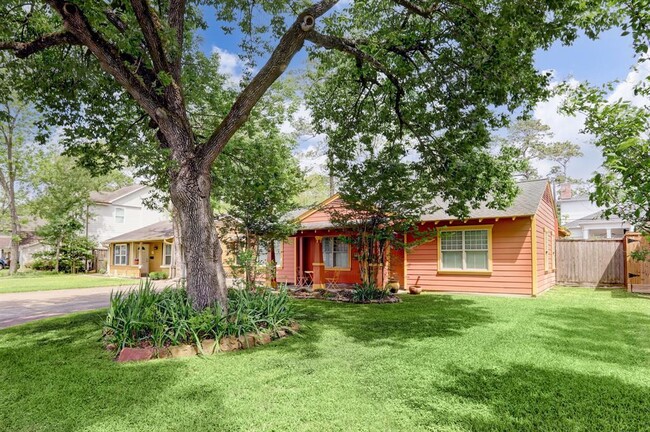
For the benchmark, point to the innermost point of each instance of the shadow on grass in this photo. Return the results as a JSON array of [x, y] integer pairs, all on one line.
[[56, 374], [530, 398], [416, 318], [618, 337]]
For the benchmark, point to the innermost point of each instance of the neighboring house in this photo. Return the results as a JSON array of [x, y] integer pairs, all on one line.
[[140, 252], [119, 212], [30, 243], [585, 220], [145, 250], [509, 251]]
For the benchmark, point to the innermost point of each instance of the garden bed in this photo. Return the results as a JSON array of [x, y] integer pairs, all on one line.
[[207, 347], [345, 296]]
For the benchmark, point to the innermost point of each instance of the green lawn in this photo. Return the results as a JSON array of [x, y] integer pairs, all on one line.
[[47, 281], [571, 360]]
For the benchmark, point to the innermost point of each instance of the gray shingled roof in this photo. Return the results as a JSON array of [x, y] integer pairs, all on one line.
[[524, 204], [109, 197], [597, 216], [158, 231]]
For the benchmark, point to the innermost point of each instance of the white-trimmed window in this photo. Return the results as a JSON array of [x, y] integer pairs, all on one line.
[[336, 253], [167, 255], [465, 250], [119, 215], [547, 250], [120, 254]]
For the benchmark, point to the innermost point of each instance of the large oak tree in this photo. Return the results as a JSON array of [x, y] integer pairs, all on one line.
[[433, 76]]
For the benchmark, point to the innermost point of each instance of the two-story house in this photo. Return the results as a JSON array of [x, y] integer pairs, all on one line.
[[118, 212], [585, 220]]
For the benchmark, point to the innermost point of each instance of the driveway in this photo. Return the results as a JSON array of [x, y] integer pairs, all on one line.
[[18, 308]]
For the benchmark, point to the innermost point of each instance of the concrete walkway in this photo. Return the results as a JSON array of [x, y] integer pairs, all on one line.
[[18, 308]]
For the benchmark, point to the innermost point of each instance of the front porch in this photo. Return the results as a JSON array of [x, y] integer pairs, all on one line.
[[139, 259], [319, 259]]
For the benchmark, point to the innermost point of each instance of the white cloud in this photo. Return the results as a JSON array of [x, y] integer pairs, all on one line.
[[230, 65], [568, 128]]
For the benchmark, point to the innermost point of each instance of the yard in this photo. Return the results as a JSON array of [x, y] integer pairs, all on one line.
[[45, 281], [571, 360]]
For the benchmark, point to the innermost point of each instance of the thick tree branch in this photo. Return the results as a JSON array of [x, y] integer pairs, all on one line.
[[292, 42], [25, 49], [110, 58], [349, 46], [152, 40], [177, 23]]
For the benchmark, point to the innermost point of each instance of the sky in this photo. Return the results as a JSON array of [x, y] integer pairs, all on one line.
[[607, 59]]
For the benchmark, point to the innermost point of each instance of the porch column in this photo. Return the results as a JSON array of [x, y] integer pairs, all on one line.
[[585, 233], [609, 233], [319, 264]]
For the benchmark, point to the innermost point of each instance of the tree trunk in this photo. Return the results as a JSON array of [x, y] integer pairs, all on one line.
[[200, 246], [58, 255], [15, 234]]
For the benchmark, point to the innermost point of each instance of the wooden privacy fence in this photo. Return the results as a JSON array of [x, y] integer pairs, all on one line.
[[638, 272], [590, 262]]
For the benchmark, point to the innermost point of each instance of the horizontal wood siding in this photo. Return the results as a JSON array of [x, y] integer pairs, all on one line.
[[511, 262], [286, 273], [322, 215], [546, 219], [590, 262]]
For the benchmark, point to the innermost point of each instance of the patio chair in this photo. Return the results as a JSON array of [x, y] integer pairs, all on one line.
[[333, 282]]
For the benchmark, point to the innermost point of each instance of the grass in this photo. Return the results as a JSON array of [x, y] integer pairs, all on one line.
[[572, 360], [46, 281]]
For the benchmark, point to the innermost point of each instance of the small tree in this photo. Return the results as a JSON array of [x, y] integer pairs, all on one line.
[[63, 197], [262, 188]]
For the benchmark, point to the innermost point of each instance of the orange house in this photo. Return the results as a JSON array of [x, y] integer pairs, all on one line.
[[510, 251]]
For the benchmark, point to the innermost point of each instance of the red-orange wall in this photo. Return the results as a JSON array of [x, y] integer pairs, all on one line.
[[545, 218], [511, 262]]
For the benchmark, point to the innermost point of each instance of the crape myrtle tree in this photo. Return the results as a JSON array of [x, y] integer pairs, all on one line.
[[442, 72], [385, 197]]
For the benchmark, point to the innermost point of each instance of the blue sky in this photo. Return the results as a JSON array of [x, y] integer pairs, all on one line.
[[598, 61]]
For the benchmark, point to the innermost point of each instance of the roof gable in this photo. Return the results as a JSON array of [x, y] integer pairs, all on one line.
[[111, 197]]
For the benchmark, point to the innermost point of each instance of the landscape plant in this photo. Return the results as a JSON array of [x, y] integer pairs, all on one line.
[[146, 317]]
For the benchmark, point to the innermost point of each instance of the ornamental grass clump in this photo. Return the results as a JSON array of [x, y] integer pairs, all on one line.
[[364, 293], [145, 317]]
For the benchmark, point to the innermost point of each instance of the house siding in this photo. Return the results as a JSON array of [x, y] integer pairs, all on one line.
[[545, 220], [286, 273], [511, 262]]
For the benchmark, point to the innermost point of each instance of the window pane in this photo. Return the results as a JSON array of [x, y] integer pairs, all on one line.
[[476, 260], [476, 240], [119, 215], [451, 240], [277, 245], [452, 260], [341, 259], [328, 256], [168, 255], [262, 253]]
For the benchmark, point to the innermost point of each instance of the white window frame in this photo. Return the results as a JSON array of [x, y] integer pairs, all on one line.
[[464, 269], [116, 217], [333, 252], [122, 247], [165, 255]]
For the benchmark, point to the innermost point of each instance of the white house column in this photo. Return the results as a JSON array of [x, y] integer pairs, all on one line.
[[585, 233], [609, 233]]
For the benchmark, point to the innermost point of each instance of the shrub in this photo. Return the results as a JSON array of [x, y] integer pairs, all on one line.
[[143, 316], [157, 275], [363, 293]]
